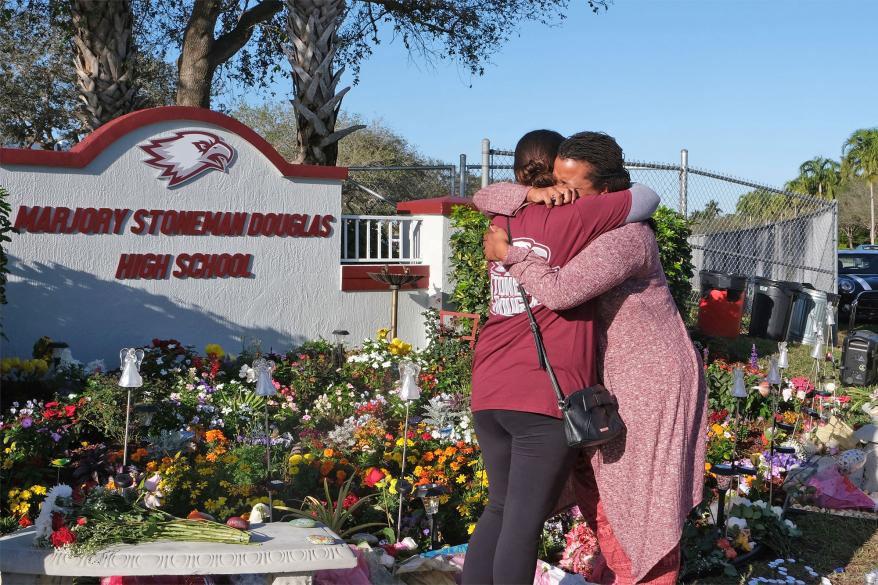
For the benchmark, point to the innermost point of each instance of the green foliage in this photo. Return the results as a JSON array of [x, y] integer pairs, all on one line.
[[720, 378], [333, 513], [672, 233], [472, 290], [448, 358]]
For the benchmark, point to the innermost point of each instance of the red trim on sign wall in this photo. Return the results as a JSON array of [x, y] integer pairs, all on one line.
[[435, 206], [354, 277], [83, 153]]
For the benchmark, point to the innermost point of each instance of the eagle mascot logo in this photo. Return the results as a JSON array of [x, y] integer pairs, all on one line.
[[187, 154]]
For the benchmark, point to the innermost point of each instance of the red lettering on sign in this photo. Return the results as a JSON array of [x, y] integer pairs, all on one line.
[[143, 266], [213, 266]]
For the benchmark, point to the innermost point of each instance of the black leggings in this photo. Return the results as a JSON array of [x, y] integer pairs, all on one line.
[[527, 460]]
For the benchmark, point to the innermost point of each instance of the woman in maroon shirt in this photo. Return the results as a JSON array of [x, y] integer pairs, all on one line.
[[517, 420]]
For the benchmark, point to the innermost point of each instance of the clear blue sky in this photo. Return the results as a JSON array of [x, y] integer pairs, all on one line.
[[750, 88]]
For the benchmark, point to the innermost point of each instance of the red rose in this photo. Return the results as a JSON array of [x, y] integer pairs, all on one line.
[[372, 476], [50, 405], [57, 520], [70, 410], [63, 537], [81, 521], [25, 522], [426, 436], [349, 501]]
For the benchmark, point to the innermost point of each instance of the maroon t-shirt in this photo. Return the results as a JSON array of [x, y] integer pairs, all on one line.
[[506, 372]]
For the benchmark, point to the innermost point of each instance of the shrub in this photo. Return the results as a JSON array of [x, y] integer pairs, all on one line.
[[469, 268], [672, 233]]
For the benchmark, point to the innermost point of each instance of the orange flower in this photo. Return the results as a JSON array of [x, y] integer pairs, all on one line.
[[328, 452], [340, 475], [326, 467], [343, 461], [428, 456], [215, 435], [211, 457], [139, 454], [151, 466]]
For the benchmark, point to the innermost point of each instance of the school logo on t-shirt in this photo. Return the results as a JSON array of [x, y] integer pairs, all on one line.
[[505, 299]]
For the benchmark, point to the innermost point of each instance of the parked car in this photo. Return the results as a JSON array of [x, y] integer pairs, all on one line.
[[857, 271]]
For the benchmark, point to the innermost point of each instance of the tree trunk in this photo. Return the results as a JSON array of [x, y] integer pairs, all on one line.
[[312, 26], [849, 234], [195, 68], [104, 59], [871, 215]]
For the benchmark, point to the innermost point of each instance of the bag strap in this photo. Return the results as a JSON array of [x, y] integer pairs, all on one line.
[[538, 337]]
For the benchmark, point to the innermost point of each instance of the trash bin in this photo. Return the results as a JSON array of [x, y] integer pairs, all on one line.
[[770, 312], [721, 304], [808, 316]]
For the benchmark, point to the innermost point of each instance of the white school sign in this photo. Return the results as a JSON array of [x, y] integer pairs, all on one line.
[[183, 223]]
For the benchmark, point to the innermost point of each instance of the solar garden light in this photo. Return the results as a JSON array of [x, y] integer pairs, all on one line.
[[430, 494], [130, 359], [339, 334], [265, 388]]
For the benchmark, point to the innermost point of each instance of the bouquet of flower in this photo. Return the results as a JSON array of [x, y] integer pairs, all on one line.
[[106, 517], [581, 551]]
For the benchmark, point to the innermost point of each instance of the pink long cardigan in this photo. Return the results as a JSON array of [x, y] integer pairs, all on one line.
[[650, 481]]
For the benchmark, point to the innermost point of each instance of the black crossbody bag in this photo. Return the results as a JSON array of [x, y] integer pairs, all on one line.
[[591, 415]]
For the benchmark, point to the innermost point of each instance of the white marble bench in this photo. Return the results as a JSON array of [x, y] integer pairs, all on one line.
[[279, 550]]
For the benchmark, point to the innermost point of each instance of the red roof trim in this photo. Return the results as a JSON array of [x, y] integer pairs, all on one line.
[[83, 153], [435, 206]]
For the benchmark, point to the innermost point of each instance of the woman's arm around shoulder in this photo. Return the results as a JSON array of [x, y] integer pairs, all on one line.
[[607, 262]]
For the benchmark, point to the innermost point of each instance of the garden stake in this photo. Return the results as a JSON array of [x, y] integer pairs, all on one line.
[[405, 440], [408, 391], [265, 388], [774, 379], [130, 359]]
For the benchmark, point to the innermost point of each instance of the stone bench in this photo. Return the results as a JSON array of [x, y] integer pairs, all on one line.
[[279, 550]]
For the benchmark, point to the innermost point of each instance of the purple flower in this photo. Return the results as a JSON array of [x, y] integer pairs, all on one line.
[[56, 437], [754, 358], [26, 422]]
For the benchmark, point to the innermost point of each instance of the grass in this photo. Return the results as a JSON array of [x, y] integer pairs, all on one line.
[[828, 542]]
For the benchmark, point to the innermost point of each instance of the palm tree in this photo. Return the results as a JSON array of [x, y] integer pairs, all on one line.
[[312, 26], [103, 35], [860, 159], [818, 176]]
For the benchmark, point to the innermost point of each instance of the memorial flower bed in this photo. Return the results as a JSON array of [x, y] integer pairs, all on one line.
[[197, 445]]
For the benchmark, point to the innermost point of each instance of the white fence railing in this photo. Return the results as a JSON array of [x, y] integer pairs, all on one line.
[[380, 239]]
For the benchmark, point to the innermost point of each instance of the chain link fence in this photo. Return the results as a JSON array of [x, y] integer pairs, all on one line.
[[738, 226]]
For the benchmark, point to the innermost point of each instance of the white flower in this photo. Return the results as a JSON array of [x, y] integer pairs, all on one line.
[[739, 522], [801, 394], [790, 524], [777, 510], [787, 393]]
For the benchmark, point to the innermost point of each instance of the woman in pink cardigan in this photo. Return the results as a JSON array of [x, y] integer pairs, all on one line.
[[649, 481]]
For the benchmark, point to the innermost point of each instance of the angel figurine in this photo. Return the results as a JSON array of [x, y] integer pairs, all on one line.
[[264, 383], [408, 373], [131, 359]]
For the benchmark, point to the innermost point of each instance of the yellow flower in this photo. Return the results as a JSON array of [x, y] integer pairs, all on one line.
[[399, 347], [294, 471], [214, 349], [308, 457], [470, 527], [25, 495], [38, 490], [460, 478], [295, 459], [382, 333]]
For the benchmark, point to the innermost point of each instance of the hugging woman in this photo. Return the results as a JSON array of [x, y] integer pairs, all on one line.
[[516, 415], [636, 490]]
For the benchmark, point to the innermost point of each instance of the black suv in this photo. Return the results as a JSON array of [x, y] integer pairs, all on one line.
[[857, 271]]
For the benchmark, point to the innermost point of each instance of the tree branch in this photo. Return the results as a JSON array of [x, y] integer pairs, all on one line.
[[230, 43]]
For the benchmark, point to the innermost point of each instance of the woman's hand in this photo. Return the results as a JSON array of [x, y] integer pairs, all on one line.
[[496, 243], [551, 196]]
